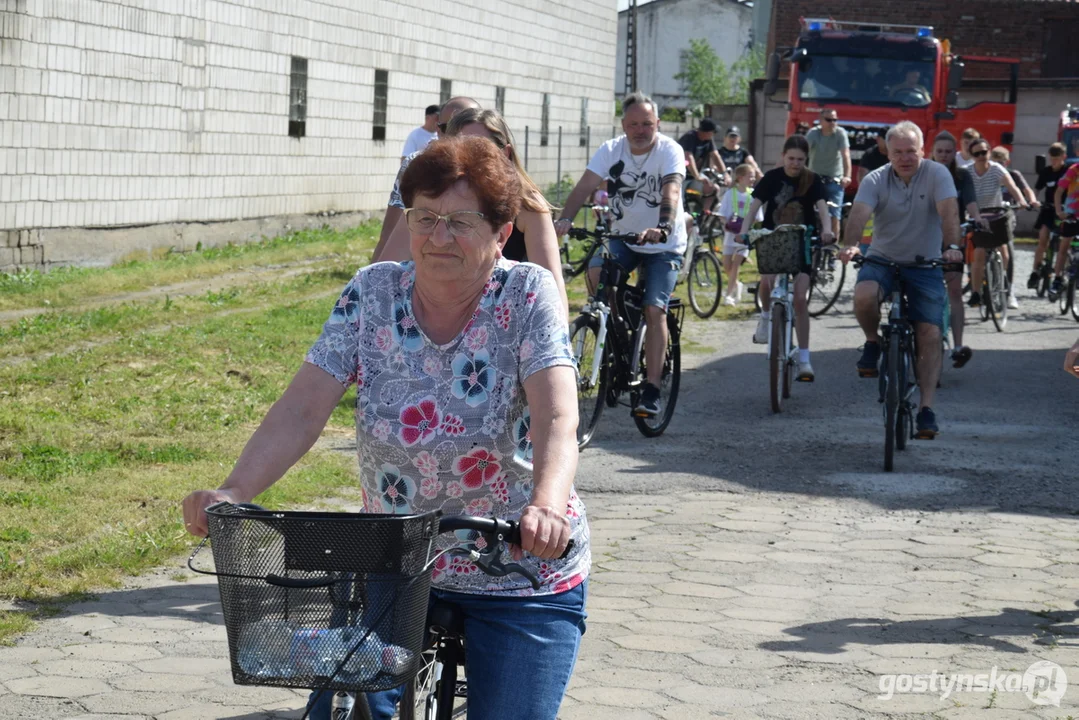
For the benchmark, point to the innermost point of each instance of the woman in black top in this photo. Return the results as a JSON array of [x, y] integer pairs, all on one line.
[[792, 195], [944, 147]]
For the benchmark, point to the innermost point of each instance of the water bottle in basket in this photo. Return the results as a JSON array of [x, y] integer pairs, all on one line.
[[275, 649]]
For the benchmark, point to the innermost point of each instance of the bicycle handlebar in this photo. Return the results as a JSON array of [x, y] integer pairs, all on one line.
[[584, 234], [497, 531]]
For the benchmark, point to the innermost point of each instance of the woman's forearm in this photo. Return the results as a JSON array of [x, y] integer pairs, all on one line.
[[552, 402], [554, 459]]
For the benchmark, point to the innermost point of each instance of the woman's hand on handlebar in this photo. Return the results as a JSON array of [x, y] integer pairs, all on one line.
[[562, 226], [195, 506], [847, 254], [827, 237], [545, 532]]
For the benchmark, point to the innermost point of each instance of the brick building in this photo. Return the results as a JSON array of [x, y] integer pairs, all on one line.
[[189, 119], [1041, 33]]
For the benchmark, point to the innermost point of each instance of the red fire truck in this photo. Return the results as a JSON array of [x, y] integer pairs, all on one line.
[[875, 75]]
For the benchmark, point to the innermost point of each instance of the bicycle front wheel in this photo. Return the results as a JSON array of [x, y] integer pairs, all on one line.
[[704, 284], [996, 299], [1065, 301], [1070, 292], [668, 384], [891, 404], [777, 357], [591, 394], [827, 282]]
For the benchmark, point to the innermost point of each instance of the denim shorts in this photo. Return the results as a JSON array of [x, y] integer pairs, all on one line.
[[926, 294], [521, 653], [833, 193], [660, 270]]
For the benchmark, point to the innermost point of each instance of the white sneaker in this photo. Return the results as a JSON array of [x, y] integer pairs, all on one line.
[[805, 372], [1013, 301], [761, 335], [741, 291], [729, 301]]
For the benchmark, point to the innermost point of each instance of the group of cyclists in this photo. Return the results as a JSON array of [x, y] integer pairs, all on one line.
[[910, 203]]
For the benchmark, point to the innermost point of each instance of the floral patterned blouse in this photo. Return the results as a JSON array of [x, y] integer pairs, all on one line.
[[446, 427]]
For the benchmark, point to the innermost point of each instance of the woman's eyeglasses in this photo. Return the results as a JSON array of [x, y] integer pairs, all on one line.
[[460, 223], [980, 153]]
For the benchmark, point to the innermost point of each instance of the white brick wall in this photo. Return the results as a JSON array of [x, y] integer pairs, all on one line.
[[132, 112]]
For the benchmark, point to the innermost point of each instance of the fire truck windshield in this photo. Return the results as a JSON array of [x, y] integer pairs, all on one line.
[[866, 80]]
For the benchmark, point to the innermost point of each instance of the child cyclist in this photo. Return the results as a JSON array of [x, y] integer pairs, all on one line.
[[732, 210]]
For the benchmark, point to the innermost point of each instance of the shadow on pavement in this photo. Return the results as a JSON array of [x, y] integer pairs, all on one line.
[[834, 636]]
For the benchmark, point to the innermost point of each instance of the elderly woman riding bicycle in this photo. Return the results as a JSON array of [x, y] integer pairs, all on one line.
[[466, 404]]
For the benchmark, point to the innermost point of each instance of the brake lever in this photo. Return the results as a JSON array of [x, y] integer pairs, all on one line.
[[491, 563]]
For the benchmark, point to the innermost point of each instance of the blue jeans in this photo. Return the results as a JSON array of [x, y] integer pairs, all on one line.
[[833, 193], [521, 653], [660, 270], [926, 295]]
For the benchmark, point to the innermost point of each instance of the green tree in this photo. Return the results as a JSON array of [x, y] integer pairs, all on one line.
[[708, 80], [745, 70], [704, 74]]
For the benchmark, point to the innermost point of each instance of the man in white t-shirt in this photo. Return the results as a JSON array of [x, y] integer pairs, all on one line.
[[644, 171], [424, 134]]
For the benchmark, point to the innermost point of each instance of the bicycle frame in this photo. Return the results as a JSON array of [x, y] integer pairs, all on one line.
[[603, 307], [783, 294], [898, 329]]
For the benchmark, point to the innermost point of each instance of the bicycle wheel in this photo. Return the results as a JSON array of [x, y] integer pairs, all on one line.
[[891, 404], [827, 282], [668, 384], [591, 396], [777, 358], [996, 299], [575, 255], [1065, 301], [704, 284]]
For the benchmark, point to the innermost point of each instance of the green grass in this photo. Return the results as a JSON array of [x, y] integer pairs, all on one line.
[[99, 444], [72, 286]]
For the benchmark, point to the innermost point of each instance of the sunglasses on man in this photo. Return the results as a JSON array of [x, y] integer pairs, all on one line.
[[830, 120]]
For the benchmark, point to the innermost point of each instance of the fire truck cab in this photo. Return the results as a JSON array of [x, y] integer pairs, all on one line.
[[875, 75]]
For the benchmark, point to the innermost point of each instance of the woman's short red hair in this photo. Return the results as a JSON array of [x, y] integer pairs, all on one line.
[[476, 160]]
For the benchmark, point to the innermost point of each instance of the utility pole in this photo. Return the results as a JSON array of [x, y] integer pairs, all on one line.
[[631, 47]]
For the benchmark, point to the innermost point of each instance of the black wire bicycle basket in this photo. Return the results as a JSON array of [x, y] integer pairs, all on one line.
[[784, 250], [335, 600]]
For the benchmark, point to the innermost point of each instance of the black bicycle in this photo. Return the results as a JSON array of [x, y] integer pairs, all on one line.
[[339, 602], [1066, 297], [608, 343], [704, 273], [898, 369]]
